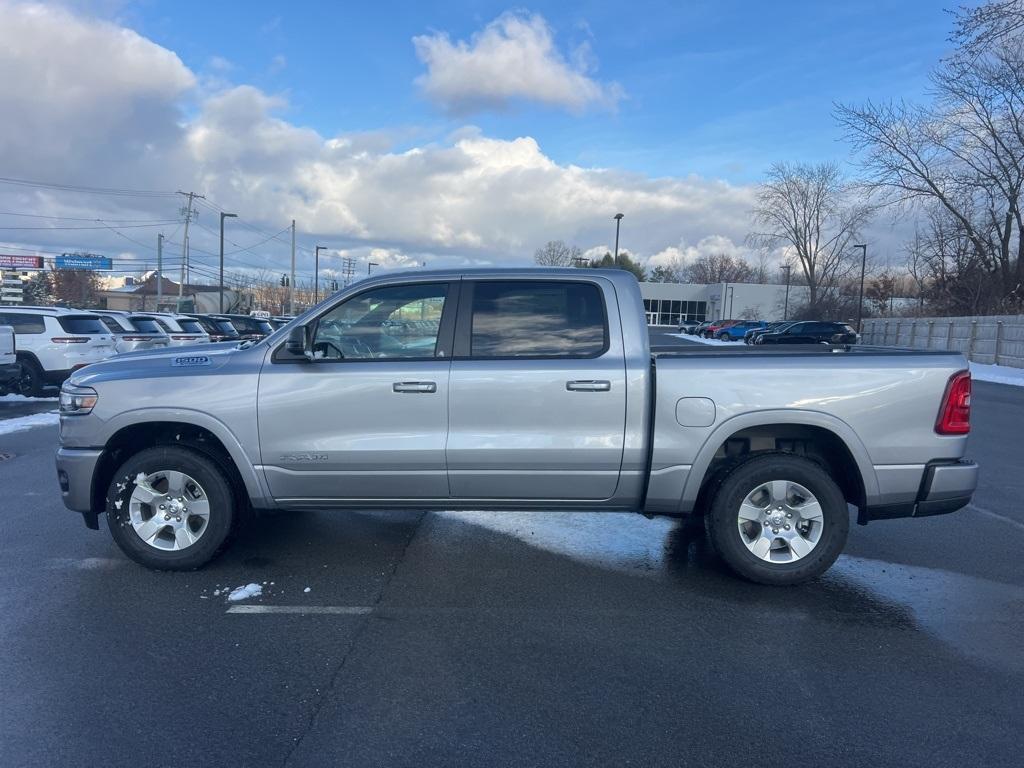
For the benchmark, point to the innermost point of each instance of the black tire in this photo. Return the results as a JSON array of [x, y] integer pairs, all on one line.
[[30, 383], [723, 337], [723, 524], [218, 491]]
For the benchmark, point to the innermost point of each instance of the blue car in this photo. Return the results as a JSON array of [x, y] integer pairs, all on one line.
[[735, 332]]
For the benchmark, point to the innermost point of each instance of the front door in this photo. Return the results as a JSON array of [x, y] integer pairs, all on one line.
[[538, 391], [367, 418]]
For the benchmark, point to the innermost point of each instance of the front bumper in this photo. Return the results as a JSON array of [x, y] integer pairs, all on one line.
[[76, 468], [946, 486]]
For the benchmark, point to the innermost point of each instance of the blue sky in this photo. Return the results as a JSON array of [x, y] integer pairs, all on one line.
[[714, 88], [444, 134]]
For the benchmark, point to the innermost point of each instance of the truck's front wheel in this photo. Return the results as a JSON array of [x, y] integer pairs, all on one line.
[[778, 519], [170, 508]]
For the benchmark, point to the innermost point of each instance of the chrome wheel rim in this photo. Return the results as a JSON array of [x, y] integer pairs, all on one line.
[[168, 510], [780, 521]]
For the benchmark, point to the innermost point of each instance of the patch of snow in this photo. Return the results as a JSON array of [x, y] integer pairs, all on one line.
[[21, 423], [702, 340], [13, 398], [998, 374], [244, 593], [307, 589]]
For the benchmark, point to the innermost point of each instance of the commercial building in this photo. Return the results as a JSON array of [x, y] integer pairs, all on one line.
[[670, 303]]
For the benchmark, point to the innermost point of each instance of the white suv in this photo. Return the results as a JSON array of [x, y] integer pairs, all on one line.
[[52, 342], [133, 333]]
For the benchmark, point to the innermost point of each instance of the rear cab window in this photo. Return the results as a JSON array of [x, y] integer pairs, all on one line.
[[537, 319]]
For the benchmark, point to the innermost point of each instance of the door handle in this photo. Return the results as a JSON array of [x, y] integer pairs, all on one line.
[[588, 386], [415, 386]]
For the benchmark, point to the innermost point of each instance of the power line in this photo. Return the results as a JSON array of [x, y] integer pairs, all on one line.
[[91, 190], [102, 226]]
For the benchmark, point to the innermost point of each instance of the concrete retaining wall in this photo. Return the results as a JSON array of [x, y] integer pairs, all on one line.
[[997, 339]]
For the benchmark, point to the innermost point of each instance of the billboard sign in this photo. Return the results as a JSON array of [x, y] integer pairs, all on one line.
[[75, 261], [20, 262]]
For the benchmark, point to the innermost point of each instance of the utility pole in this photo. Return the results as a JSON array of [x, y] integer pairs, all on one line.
[[220, 302], [348, 269], [785, 307], [316, 273], [618, 221], [291, 286], [370, 266], [187, 211], [159, 271], [860, 295]]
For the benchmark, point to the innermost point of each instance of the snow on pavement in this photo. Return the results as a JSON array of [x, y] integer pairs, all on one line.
[[244, 593], [13, 398], [702, 340], [21, 423], [998, 374]]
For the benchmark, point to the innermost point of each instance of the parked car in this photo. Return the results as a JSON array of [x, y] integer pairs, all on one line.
[[687, 326], [736, 331], [701, 327], [751, 335], [182, 330], [133, 333], [52, 342], [338, 413], [10, 369], [714, 328], [215, 329], [811, 332], [248, 328]]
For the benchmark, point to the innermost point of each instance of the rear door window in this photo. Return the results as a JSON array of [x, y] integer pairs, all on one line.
[[82, 324], [537, 318], [23, 322]]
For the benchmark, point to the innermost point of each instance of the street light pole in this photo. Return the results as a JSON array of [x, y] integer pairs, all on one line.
[[316, 273], [220, 303], [785, 307], [860, 294], [370, 266], [618, 222]]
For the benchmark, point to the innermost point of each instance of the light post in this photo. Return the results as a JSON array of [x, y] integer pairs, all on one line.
[[860, 294], [316, 273], [220, 302], [618, 222], [785, 306], [370, 266]]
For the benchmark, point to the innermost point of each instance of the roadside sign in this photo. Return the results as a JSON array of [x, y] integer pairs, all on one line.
[[74, 261], [8, 261]]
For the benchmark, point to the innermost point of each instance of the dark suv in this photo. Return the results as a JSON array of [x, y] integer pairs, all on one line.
[[811, 332], [218, 328], [248, 328]]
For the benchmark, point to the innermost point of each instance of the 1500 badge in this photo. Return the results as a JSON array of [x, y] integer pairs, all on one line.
[[189, 361]]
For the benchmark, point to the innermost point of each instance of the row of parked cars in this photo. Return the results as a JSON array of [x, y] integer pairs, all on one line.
[[48, 343], [782, 332]]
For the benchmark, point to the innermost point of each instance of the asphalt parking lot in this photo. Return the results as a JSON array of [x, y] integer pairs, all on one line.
[[513, 639]]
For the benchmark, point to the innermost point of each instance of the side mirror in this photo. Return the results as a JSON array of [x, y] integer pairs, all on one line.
[[298, 342]]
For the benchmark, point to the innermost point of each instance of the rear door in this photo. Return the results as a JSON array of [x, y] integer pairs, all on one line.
[[538, 396]]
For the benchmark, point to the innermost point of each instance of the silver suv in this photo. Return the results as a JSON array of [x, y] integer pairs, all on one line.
[[133, 333], [180, 329], [52, 342]]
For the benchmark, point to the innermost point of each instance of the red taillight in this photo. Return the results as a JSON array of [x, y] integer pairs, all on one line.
[[955, 413], [69, 339]]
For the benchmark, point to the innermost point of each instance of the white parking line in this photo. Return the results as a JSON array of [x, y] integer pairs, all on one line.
[[996, 516], [354, 610]]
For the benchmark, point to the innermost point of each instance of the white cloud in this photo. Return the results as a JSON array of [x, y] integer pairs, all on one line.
[[136, 117], [514, 58]]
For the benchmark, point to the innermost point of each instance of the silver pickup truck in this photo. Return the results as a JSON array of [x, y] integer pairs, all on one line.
[[514, 389]]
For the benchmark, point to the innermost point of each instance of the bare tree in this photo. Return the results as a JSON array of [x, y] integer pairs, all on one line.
[[557, 254], [719, 268], [964, 151], [816, 215], [672, 272]]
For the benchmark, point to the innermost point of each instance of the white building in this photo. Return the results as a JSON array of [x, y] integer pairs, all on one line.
[[669, 303]]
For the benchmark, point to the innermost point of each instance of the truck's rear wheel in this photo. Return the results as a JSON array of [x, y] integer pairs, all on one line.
[[170, 508], [778, 519]]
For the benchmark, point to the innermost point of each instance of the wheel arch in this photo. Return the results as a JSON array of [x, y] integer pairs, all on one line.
[[819, 436], [212, 439]]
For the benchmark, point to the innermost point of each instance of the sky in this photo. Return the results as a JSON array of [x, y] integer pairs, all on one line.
[[432, 133]]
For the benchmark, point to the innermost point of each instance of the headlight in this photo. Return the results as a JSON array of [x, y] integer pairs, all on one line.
[[77, 401]]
